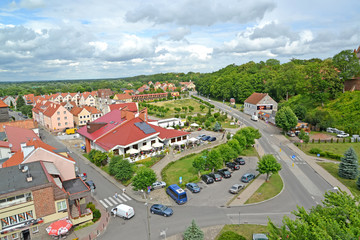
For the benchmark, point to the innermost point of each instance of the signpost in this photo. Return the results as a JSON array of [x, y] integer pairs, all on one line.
[[180, 180]]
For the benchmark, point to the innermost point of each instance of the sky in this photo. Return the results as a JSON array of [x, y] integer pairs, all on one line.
[[90, 39]]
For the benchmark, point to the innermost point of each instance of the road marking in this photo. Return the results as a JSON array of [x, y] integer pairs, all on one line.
[[107, 201], [126, 196], [256, 214], [112, 200], [103, 203], [117, 199], [122, 198], [313, 197]]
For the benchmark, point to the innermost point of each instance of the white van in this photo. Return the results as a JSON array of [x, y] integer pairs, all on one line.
[[123, 211], [254, 118]]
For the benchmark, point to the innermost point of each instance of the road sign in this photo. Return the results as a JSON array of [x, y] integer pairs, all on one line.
[[318, 154], [301, 141], [180, 180], [293, 156]]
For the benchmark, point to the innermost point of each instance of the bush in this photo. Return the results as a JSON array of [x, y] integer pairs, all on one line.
[[229, 235], [315, 151], [91, 206], [96, 215]]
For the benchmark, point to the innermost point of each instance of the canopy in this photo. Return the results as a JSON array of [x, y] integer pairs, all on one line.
[[132, 151], [179, 143], [60, 227], [193, 140], [170, 128], [158, 144], [194, 125], [145, 148]]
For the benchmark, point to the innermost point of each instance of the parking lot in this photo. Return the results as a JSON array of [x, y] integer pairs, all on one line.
[[217, 193]]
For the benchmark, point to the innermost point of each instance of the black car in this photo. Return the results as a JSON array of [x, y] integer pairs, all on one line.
[[224, 173], [233, 166], [207, 179], [212, 139], [217, 177], [91, 184], [240, 161]]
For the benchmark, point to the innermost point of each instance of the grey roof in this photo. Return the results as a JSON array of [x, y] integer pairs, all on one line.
[[13, 179], [74, 186], [3, 136], [61, 150]]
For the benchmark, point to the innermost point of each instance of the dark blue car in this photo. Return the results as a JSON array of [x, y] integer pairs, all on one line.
[[211, 139], [193, 187], [205, 138], [161, 210]]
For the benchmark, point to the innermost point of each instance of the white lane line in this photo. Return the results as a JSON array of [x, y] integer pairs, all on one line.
[[122, 198], [117, 199], [126, 196], [113, 200], [103, 204], [107, 201], [313, 197]]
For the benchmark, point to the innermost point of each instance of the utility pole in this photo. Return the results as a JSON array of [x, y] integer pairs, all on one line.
[[147, 215]]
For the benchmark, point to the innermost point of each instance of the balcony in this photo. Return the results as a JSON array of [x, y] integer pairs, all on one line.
[[85, 216]]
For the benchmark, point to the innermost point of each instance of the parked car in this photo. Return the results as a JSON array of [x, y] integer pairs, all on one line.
[[259, 236], [123, 211], [91, 184], [330, 130], [290, 134], [224, 173], [236, 188], [193, 187], [240, 161], [212, 139], [83, 176], [342, 135], [247, 177], [217, 177], [157, 185], [233, 166], [161, 210], [205, 138], [207, 179], [200, 136]]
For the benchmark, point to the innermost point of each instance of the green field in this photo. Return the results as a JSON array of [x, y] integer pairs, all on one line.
[[333, 169], [267, 190], [178, 104], [250, 152], [245, 230], [337, 148]]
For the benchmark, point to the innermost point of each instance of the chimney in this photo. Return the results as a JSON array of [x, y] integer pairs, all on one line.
[[28, 177], [129, 115], [143, 115], [94, 126]]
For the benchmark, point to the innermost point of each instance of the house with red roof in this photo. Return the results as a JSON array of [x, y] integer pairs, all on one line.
[[68, 105], [259, 102], [132, 107], [17, 136], [190, 86], [124, 132], [52, 116], [9, 100], [88, 99], [94, 113], [81, 116], [29, 99], [125, 97], [4, 112], [129, 91]]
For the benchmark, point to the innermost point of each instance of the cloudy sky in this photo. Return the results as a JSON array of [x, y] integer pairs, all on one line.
[[81, 39]]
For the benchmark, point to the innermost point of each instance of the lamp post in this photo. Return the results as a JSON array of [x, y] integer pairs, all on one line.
[[147, 215]]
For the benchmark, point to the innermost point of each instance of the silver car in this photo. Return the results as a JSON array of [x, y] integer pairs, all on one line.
[[236, 188], [157, 185]]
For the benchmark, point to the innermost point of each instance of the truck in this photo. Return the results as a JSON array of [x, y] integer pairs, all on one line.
[[70, 131], [124, 211], [254, 118]]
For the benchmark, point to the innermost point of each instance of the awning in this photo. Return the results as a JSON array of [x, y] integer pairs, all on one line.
[[145, 148], [132, 151], [179, 143], [158, 144], [194, 125], [193, 140]]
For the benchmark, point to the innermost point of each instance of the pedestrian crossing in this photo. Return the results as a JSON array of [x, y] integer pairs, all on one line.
[[114, 201], [298, 160]]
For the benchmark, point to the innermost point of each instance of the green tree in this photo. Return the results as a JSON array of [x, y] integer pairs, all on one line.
[[234, 144], [348, 167], [286, 119], [144, 178], [250, 135], [337, 218], [268, 164], [123, 170], [217, 127], [202, 107], [99, 158], [347, 63], [229, 235], [191, 108], [227, 152], [214, 159], [300, 111], [113, 161], [26, 110], [189, 118], [241, 139], [306, 138], [20, 102], [302, 134], [207, 123], [199, 164], [193, 232]]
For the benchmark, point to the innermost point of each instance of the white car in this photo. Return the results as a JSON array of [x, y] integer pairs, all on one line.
[[157, 185], [343, 135], [290, 134]]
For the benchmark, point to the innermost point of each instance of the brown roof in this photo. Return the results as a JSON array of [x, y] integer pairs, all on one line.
[[27, 124], [123, 96], [51, 109], [255, 98], [92, 110], [76, 110], [2, 104]]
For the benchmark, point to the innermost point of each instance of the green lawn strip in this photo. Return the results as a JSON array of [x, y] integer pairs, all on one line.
[[245, 230], [333, 169], [337, 148], [250, 152], [267, 190]]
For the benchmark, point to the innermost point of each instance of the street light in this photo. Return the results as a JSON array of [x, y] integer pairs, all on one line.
[[147, 215]]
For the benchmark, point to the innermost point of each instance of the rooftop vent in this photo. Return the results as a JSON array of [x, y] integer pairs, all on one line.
[[28, 177], [24, 168]]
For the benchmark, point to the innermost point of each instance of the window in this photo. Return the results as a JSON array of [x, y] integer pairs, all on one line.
[[65, 118], [15, 236], [64, 112], [80, 117], [59, 124], [61, 206], [58, 119], [58, 113], [35, 229], [66, 123]]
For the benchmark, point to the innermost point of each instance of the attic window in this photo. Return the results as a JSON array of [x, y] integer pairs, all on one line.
[[111, 122], [114, 131]]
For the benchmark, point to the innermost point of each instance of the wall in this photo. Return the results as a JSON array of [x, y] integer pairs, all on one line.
[[4, 114], [353, 84], [44, 202], [66, 119]]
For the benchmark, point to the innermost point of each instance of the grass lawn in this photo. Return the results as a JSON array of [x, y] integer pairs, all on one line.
[[245, 230], [267, 190], [333, 169], [227, 124], [180, 103], [337, 148], [250, 152]]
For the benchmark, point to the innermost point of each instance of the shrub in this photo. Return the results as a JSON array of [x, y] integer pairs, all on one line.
[[229, 235], [337, 140], [96, 215], [315, 150], [331, 140], [91, 206]]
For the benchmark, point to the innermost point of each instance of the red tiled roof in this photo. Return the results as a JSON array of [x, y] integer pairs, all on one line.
[[51, 109], [131, 106], [141, 89], [129, 91], [27, 124], [2, 104], [123, 96], [14, 160], [112, 120], [16, 136], [255, 98], [169, 133], [92, 110], [4, 144], [76, 110]]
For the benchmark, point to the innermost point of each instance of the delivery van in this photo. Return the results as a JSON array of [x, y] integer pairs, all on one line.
[[71, 131], [123, 211], [254, 118]]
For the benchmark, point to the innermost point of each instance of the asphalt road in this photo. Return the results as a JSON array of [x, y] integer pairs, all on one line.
[[303, 187]]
